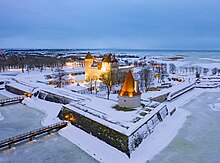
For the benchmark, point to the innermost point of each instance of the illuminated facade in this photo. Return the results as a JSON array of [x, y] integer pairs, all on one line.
[[95, 67], [129, 96]]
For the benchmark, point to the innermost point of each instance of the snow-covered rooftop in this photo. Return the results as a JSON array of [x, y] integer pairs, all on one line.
[[104, 111]]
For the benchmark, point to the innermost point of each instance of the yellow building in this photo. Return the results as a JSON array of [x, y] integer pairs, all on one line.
[[108, 64]]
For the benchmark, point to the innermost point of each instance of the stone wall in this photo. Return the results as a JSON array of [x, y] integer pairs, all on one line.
[[122, 142], [102, 132], [14, 90], [136, 138], [52, 97], [160, 98]]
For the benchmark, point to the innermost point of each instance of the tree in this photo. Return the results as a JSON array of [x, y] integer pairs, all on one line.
[[90, 78], [163, 72], [106, 79], [146, 77], [22, 58], [205, 71], [135, 63], [218, 71], [60, 75], [214, 71], [172, 68]]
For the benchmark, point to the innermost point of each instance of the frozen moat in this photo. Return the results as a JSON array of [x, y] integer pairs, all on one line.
[[199, 139], [19, 118]]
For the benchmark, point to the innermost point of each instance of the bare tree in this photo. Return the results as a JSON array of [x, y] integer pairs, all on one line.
[[163, 72], [172, 68], [90, 78], [205, 71], [135, 63], [60, 75], [106, 79], [22, 63], [146, 77], [215, 71]]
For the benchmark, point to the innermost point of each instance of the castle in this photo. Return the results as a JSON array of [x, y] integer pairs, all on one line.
[[95, 67]]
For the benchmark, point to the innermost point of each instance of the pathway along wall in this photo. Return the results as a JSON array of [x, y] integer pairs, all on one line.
[[122, 142]]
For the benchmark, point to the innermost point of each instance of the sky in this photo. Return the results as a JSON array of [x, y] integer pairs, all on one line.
[[131, 24]]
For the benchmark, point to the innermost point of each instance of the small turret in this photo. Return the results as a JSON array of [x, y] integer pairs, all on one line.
[[129, 96], [88, 64], [88, 56]]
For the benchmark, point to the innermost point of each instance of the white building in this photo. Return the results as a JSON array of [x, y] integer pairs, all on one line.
[[129, 96]]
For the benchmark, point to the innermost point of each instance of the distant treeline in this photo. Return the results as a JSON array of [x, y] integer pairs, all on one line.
[[28, 62], [127, 56]]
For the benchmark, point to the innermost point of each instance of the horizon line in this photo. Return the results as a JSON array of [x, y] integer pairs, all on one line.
[[120, 49]]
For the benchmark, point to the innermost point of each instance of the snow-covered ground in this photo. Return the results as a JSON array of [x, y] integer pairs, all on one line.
[[164, 130], [215, 106], [1, 117], [49, 108], [162, 136]]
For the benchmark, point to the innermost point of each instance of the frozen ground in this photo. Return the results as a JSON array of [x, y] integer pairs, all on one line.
[[53, 148], [198, 139], [1, 116], [215, 107]]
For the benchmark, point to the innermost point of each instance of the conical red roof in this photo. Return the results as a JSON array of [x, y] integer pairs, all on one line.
[[127, 88], [88, 56]]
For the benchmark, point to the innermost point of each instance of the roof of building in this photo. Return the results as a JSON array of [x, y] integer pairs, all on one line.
[[114, 59], [88, 56], [127, 88], [109, 58]]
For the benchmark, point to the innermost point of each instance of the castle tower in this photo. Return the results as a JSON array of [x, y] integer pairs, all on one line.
[[88, 63], [110, 64], [129, 96], [106, 62]]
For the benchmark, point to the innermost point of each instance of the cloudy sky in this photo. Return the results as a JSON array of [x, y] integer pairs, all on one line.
[[146, 24]]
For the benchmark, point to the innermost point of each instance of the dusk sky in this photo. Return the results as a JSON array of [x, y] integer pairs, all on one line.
[[145, 24]]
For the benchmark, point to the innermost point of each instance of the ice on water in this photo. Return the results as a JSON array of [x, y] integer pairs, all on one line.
[[18, 119], [198, 140]]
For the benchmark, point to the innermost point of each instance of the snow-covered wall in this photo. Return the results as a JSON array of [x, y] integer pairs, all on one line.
[[18, 89], [147, 128], [102, 132], [181, 91], [123, 142], [161, 98], [48, 96]]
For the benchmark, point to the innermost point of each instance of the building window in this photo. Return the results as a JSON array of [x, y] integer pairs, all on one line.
[[124, 100]]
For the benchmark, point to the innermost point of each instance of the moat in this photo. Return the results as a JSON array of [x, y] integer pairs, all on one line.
[[198, 139], [18, 119]]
